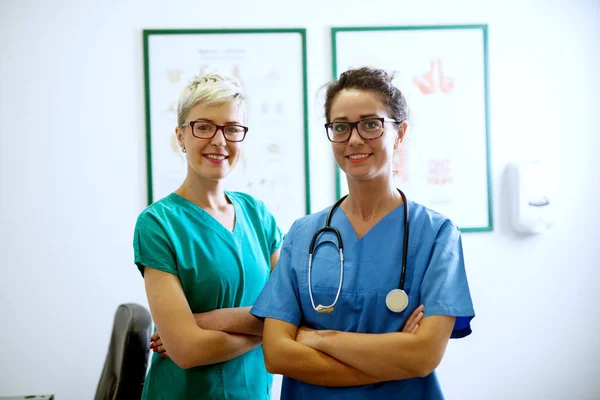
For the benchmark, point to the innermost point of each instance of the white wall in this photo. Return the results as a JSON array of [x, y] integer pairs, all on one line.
[[72, 168]]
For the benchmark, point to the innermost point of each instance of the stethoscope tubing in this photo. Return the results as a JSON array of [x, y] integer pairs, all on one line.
[[340, 246]]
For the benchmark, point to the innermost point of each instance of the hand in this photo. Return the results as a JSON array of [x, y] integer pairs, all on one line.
[[156, 345], [412, 323]]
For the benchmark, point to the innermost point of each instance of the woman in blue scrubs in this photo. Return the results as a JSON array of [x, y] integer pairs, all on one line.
[[356, 349], [205, 254]]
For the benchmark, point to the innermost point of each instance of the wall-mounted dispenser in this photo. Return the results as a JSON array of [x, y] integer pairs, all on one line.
[[531, 191]]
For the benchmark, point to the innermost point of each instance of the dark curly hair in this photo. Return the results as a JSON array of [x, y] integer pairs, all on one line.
[[372, 80]]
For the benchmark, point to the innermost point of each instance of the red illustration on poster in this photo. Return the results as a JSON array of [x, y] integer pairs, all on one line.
[[440, 172], [434, 81]]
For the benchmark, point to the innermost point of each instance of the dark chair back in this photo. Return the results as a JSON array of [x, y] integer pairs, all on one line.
[[127, 359]]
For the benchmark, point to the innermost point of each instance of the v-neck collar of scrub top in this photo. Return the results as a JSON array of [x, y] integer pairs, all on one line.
[[351, 241], [210, 221]]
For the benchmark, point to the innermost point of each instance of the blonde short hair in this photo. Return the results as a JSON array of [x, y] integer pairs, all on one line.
[[209, 89]]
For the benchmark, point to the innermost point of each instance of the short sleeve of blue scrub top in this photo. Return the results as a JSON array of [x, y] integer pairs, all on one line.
[[444, 289]]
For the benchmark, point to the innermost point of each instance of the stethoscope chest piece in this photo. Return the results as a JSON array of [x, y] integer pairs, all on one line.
[[396, 300]]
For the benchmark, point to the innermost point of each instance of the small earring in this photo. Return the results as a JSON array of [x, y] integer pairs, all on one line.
[[183, 150]]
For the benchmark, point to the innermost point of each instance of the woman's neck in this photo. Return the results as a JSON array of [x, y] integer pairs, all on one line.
[[371, 199], [206, 194]]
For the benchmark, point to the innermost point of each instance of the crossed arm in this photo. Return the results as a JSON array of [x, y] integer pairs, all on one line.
[[326, 358], [197, 339], [188, 345], [313, 363], [333, 358]]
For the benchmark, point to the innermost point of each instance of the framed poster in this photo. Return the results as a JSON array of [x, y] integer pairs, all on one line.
[[271, 65], [444, 162]]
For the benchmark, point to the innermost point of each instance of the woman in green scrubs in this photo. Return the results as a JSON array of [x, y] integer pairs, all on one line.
[[205, 255]]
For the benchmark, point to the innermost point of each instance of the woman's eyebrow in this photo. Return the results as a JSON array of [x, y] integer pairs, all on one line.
[[371, 115], [213, 122]]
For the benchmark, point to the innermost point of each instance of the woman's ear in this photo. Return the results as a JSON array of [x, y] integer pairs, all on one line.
[[400, 134], [179, 135]]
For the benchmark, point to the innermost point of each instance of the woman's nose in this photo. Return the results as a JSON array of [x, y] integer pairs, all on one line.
[[219, 138], [355, 138]]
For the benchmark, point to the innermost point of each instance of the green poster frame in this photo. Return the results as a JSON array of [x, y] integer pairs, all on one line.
[[484, 29], [148, 33]]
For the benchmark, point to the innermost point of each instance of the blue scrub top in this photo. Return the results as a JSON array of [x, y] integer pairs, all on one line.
[[435, 277]]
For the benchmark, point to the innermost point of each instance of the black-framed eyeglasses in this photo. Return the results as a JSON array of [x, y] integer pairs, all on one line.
[[208, 130], [368, 129]]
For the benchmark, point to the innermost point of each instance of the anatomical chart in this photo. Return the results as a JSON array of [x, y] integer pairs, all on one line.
[[271, 70], [443, 161]]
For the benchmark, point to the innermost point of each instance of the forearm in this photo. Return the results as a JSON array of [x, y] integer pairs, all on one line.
[[211, 347], [187, 344], [231, 320], [390, 356], [303, 363]]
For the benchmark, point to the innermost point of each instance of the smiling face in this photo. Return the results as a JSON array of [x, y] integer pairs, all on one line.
[[364, 159], [212, 159]]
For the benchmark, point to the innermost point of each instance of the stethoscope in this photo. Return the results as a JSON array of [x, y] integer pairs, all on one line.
[[396, 300]]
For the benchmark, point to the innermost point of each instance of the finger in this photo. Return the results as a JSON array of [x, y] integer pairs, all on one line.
[[414, 319], [410, 322], [416, 323], [417, 320], [164, 355], [417, 315], [414, 314], [158, 349], [154, 336], [418, 310], [412, 327]]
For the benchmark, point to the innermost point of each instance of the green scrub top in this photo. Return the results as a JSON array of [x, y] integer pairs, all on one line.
[[217, 269]]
